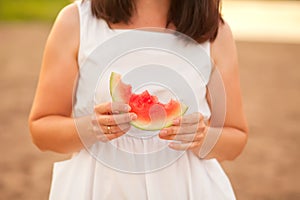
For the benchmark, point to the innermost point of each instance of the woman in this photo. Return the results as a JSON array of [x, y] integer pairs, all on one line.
[[73, 37]]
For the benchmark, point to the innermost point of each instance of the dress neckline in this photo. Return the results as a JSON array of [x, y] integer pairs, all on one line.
[[148, 29]]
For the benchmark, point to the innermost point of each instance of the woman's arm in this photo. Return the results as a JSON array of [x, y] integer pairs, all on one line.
[[229, 120], [50, 122], [234, 134]]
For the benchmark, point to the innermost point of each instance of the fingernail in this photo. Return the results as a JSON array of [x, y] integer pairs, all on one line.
[[116, 112], [133, 116], [176, 121], [127, 107], [163, 132]]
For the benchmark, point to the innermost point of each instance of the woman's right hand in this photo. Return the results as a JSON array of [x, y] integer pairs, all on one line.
[[112, 120]]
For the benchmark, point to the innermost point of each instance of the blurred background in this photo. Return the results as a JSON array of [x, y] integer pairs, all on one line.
[[267, 35]]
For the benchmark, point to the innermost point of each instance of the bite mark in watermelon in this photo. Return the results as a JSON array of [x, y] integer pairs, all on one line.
[[151, 114]]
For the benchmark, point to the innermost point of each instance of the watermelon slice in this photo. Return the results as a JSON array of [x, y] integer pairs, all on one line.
[[151, 114]]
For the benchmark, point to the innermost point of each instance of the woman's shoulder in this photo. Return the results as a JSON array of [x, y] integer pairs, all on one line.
[[69, 15], [223, 47], [66, 29]]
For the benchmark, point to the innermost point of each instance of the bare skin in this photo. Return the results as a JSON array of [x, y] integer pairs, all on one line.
[[53, 128]]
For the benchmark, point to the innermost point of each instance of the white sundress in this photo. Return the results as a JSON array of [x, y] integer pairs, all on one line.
[[138, 165]]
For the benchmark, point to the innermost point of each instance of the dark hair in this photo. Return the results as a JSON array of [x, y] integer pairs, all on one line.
[[199, 19]]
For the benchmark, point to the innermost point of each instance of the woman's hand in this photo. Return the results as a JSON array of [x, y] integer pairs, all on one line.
[[188, 130], [112, 120]]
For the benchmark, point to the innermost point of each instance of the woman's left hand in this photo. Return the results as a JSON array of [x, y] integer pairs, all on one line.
[[188, 130]]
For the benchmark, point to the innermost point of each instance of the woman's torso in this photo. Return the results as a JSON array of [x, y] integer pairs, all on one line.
[[138, 165]]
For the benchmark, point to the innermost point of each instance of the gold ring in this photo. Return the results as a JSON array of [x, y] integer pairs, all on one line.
[[108, 129]]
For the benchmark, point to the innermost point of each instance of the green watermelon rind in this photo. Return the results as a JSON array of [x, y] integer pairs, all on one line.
[[115, 77], [112, 76], [112, 86], [168, 124]]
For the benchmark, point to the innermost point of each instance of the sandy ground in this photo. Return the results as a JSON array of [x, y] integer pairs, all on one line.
[[272, 21], [270, 77]]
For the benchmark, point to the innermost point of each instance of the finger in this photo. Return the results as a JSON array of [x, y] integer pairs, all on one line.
[[189, 119], [107, 137], [112, 107], [117, 134], [185, 137], [115, 128], [186, 129], [116, 119], [114, 136], [183, 129], [184, 146], [188, 137]]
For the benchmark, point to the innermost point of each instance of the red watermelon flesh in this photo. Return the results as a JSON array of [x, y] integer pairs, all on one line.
[[152, 114]]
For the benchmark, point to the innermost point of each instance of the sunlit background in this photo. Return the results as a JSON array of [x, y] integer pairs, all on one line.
[[268, 42]]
